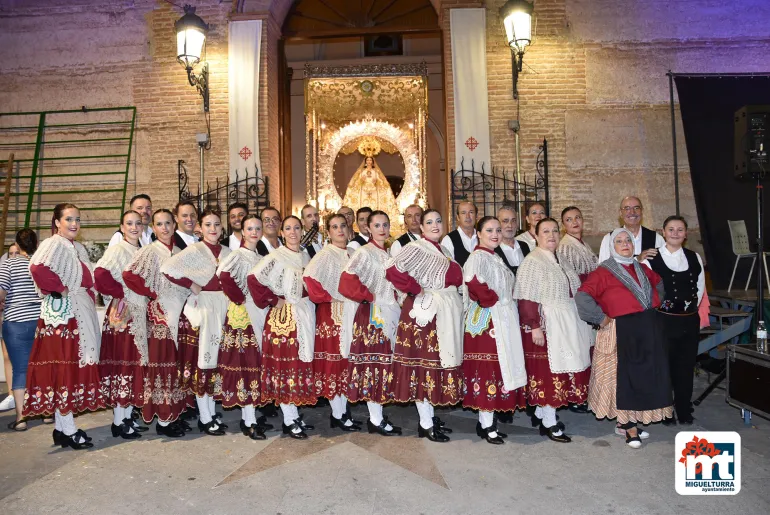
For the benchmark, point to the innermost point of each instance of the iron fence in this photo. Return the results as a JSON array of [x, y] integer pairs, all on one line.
[[249, 189]]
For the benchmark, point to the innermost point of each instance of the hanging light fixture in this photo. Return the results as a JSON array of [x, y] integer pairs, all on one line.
[[517, 20], [191, 32]]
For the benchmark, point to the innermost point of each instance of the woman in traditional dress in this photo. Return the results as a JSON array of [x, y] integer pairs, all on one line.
[[493, 359], [429, 341], [163, 396], [683, 276], [334, 315], [556, 341], [534, 213], [201, 322], [240, 350], [373, 329], [288, 338], [123, 356], [63, 374], [630, 370], [572, 250]]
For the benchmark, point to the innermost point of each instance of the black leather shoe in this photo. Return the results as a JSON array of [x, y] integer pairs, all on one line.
[[499, 433], [212, 428], [350, 416], [578, 408], [670, 421], [305, 427], [123, 431], [183, 425], [57, 436], [504, 417], [549, 432], [432, 434], [289, 430], [218, 419], [269, 410], [69, 441], [484, 433], [340, 424], [254, 431], [133, 424], [536, 421], [262, 423], [688, 421], [83, 435], [441, 425], [382, 428], [171, 430]]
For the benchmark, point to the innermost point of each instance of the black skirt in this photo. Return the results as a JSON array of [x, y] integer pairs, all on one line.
[[643, 376]]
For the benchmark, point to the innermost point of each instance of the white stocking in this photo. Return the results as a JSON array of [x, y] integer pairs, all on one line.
[[375, 415], [338, 404], [127, 411], [212, 404], [57, 421], [487, 419], [426, 414], [248, 414], [67, 423], [539, 412], [290, 413], [117, 415], [203, 408], [549, 418], [163, 424]]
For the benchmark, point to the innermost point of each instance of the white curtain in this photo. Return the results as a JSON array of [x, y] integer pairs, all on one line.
[[243, 75], [469, 71]]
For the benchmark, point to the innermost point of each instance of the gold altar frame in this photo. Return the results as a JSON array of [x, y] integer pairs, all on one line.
[[346, 103]]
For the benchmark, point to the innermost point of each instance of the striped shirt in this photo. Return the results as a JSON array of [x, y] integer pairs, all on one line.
[[22, 302]]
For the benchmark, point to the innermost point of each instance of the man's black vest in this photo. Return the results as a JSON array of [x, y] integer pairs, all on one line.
[[179, 242], [360, 240], [404, 239], [460, 254], [499, 252]]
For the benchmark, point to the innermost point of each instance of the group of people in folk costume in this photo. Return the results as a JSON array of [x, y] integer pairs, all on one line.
[[480, 319]]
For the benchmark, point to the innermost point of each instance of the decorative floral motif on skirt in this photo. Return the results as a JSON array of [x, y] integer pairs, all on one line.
[[120, 368], [545, 388], [370, 363], [236, 382]]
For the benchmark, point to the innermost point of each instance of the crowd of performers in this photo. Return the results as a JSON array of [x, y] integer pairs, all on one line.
[[274, 315]]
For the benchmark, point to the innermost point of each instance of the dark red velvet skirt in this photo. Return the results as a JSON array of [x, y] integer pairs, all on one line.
[[239, 361], [370, 368], [120, 365], [55, 379], [330, 369], [417, 372], [284, 377], [195, 381]]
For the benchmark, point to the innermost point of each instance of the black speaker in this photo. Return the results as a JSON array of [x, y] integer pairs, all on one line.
[[752, 141]]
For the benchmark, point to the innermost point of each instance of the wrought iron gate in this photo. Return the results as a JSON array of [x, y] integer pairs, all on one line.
[[250, 189], [491, 190]]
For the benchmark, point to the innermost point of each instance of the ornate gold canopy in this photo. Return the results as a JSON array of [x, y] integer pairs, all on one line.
[[383, 106]]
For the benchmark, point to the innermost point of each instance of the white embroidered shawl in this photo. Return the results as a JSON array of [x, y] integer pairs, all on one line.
[[64, 257], [238, 264], [281, 271], [542, 280], [488, 268], [115, 259], [577, 254]]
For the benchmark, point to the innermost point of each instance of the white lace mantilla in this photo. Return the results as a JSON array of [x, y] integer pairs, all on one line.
[[64, 257], [238, 264], [488, 268], [196, 263], [326, 268], [147, 264], [281, 271], [115, 259], [542, 280], [425, 263], [577, 254]]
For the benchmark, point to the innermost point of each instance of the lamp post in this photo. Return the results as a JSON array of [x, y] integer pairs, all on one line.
[[191, 33], [517, 20]]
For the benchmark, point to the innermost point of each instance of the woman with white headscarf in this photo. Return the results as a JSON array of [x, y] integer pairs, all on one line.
[[630, 377]]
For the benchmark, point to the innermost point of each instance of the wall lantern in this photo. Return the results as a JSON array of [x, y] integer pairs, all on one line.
[[517, 20], [191, 33]]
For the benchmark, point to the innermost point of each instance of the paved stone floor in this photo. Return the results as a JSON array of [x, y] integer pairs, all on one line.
[[357, 474]]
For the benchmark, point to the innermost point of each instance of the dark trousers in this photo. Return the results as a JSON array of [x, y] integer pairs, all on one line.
[[682, 337]]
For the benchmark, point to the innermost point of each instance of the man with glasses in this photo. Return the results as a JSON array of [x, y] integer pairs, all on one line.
[[646, 241], [271, 224]]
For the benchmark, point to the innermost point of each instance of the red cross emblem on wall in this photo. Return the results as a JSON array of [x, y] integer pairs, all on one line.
[[471, 143], [245, 153]]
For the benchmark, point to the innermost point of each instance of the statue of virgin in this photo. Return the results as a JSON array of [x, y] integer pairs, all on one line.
[[369, 187]]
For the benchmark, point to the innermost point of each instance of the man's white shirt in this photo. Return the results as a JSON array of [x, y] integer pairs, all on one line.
[[514, 255], [396, 247], [354, 245], [469, 242]]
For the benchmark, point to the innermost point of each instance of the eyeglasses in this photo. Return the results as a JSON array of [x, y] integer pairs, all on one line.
[[632, 209]]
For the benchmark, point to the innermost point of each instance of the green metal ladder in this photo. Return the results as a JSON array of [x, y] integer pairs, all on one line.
[[80, 156]]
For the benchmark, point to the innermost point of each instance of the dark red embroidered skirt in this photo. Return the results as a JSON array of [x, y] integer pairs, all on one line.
[[545, 388], [239, 361], [330, 369], [55, 379], [195, 381], [371, 360], [120, 365], [483, 383], [163, 394], [284, 377], [417, 372]]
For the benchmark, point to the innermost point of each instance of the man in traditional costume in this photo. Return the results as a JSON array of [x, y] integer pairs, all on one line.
[[123, 355], [361, 239], [429, 340], [373, 330], [334, 316], [163, 395], [509, 250], [463, 240], [201, 322], [412, 217], [235, 214], [630, 371], [493, 359], [556, 341], [186, 215], [310, 220]]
